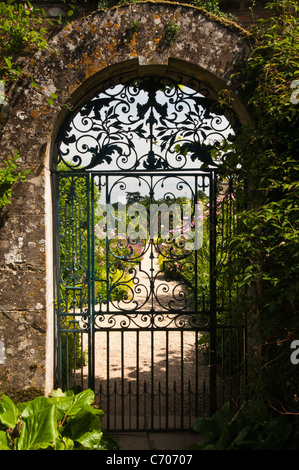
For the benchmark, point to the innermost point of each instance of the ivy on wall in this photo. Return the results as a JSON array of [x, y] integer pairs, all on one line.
[[9, 174], [22, 32], [24, 29], [266, 154]]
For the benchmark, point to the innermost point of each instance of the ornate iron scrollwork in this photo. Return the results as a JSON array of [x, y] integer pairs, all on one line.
[[146, 124], [158, 138]]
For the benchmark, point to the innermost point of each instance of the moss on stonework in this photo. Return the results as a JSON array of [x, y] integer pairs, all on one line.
[[27, 394], [229, 24]]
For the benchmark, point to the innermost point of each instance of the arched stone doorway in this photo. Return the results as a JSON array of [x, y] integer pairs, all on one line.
[[102, 43], [137, 301]]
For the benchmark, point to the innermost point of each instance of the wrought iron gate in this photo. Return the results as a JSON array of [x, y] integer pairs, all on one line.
[[143, 315]]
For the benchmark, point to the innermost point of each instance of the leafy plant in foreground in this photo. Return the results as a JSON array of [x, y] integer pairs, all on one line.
[[64, 421], [252, 427]]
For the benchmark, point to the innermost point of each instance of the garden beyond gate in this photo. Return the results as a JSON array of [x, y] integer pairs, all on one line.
[[146, 315]]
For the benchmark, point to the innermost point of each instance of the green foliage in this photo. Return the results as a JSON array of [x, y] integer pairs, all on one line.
[[213, 7], [210, 5], [9, 175], [21, 30], [64, 421], [267, 244], [24, 29], [134, 25], [172, 29], [273, 64], [252, 427]]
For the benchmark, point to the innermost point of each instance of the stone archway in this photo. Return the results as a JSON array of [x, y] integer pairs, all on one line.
[[102, 44]]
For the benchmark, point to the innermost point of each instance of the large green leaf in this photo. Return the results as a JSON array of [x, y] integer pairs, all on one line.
[[212, 428], [4, 444], [86, 419], [39, 430], [275, 433], [58, 393], [70, 405], [9, 413], [90, 440], [34, 406], [65, 443], [206, 427]]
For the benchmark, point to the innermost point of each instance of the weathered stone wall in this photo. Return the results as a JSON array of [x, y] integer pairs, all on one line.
[[85, 52]]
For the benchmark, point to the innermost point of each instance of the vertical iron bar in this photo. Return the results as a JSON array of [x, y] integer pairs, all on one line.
[[145, 400], [130, 405], [107, 301], [67, 384], [223, 365], [174, 404], [90, 276], [72, 254], [159, 403], [107, 200], [114, 394], [122, 381], [152, 378], [166, 380], [189, 403], [137, 379], [204, 398], [182, 380], [74, 357], [81, 359], [230, 358], [196, 221], [213, 324], [58, 273], [238, 364], [196, 374], [151, 250], [108, 377]]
